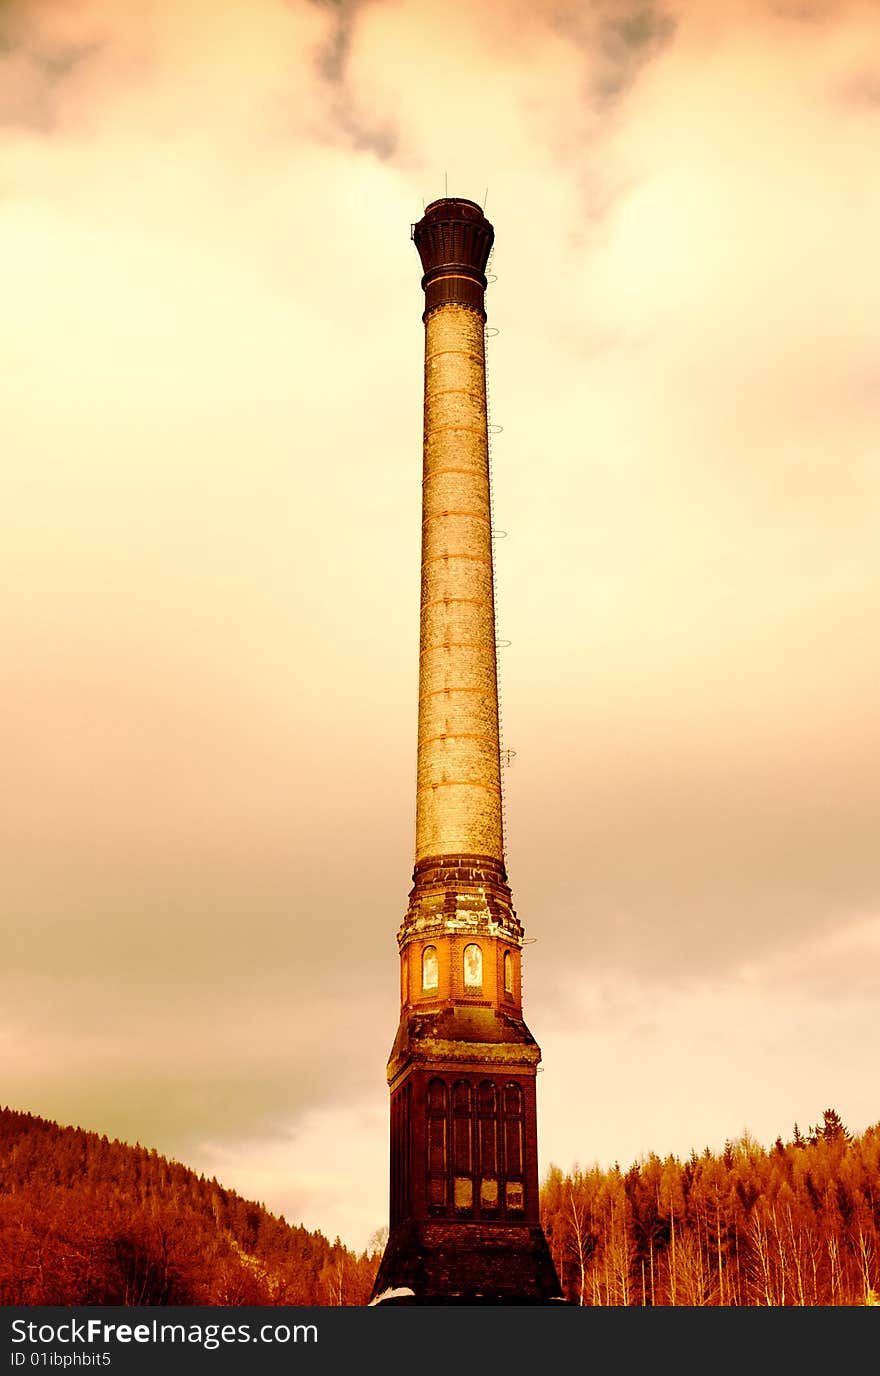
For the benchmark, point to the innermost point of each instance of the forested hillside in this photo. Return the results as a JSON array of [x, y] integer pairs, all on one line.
[[84, 1220], [798, 1224]]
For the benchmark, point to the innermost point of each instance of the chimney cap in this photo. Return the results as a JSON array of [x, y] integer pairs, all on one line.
[[454, 207], [454, 240]]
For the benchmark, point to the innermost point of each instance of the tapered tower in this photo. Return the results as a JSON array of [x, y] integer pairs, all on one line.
[[464, 1165]]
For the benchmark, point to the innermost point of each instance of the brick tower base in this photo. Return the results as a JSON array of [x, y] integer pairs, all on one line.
[[465, 1226], [466, 1263]]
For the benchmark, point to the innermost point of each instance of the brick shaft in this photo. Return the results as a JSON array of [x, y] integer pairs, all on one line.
[[458, 800]]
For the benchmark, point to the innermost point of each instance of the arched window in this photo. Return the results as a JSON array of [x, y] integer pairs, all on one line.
[[487, 1099], [429, 968], [508, 973], [461, 1099], [512, 1101], [437, 1149], [473, 967], [488, 1130], [462, 1148], [437, 1098], [513, 1147]]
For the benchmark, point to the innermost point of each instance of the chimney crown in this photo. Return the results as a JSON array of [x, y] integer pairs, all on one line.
[[454, 240]]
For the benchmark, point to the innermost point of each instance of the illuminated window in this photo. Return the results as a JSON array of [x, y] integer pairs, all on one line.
[[473, 967], [514, 1196], [508, 973], [429, 968]]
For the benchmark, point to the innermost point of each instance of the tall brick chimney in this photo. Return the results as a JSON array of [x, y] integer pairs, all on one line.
[[464, 1164]]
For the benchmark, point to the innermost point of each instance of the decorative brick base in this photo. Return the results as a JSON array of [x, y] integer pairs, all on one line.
[[466, 1264]]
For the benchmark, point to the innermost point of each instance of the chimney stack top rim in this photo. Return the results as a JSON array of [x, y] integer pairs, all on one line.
[[452, 203]]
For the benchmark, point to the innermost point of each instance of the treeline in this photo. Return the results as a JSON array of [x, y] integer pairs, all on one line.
[[85, 1220], [798, 1224]]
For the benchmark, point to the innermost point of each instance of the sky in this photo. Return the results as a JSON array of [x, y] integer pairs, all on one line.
[[210, 438]]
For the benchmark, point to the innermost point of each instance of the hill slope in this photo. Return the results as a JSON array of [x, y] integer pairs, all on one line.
[[84, 1220]]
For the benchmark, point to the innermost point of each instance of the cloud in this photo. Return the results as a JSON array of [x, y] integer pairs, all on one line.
[[328, 1175], [689, 711], [770, 1043], [616, 39]]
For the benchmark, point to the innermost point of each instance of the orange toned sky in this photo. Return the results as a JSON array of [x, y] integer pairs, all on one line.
[[210, 344]]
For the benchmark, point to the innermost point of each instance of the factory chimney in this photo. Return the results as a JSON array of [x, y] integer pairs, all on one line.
[[464, 1162]]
